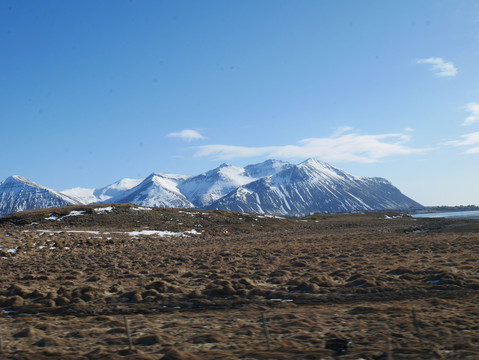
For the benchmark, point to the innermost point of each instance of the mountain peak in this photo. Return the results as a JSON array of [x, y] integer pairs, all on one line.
[[17, 180], [314, 162], [18, 193]]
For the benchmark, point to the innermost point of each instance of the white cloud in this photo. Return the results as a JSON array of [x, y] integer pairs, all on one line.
[[473, 108], [439, 66], [343, 129], [467, 140], [187, 135], [350, 147]]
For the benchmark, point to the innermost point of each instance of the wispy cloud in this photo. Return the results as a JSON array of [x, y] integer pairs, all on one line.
[[473, 109], [341, 147], [439, 66], [187, 135], [471, 139]]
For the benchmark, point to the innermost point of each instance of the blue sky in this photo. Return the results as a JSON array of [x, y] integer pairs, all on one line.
[[94, 91]]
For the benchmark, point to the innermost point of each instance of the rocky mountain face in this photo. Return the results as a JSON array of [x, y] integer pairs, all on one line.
[[272, 187], [18, 194]]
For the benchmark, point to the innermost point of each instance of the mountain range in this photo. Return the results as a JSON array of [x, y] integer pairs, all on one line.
[[272, 187]]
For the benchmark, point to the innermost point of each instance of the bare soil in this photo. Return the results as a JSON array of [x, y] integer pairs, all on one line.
[[393, 286]]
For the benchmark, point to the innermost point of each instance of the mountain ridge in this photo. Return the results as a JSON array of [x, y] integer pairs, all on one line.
[[272, 187]]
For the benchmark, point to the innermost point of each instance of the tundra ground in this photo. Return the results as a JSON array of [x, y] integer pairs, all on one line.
[[197, 284]]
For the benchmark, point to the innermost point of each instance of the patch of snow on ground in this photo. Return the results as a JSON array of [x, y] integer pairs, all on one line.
[[270, 217], [140, 208], [194, 232], [392, 217], [189, 213], [84, 231], [104, 210], [74, 213], [155, 232]]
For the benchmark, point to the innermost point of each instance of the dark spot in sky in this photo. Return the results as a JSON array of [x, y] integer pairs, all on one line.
[[232, 67], [155, 80], [140, 144], [428, 22], [66, 150], [110, 91], [376, 57], [40, 111], [413, 23]]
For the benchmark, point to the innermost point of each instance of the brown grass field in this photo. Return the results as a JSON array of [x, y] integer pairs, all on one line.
[[71, 276]]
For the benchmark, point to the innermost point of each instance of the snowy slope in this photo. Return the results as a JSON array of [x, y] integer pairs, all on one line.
[[266, 168], [19, 194], [116, 188], [93, 195], [159, 190], [314, 186], [203, 189], [82, 195]]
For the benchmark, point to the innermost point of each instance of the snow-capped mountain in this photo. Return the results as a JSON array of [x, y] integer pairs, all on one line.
[[313, 186], [157, 190], [88, 195], [271, 187], [18, 194]]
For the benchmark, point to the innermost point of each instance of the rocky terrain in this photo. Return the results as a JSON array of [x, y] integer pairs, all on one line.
[[207, 284]]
